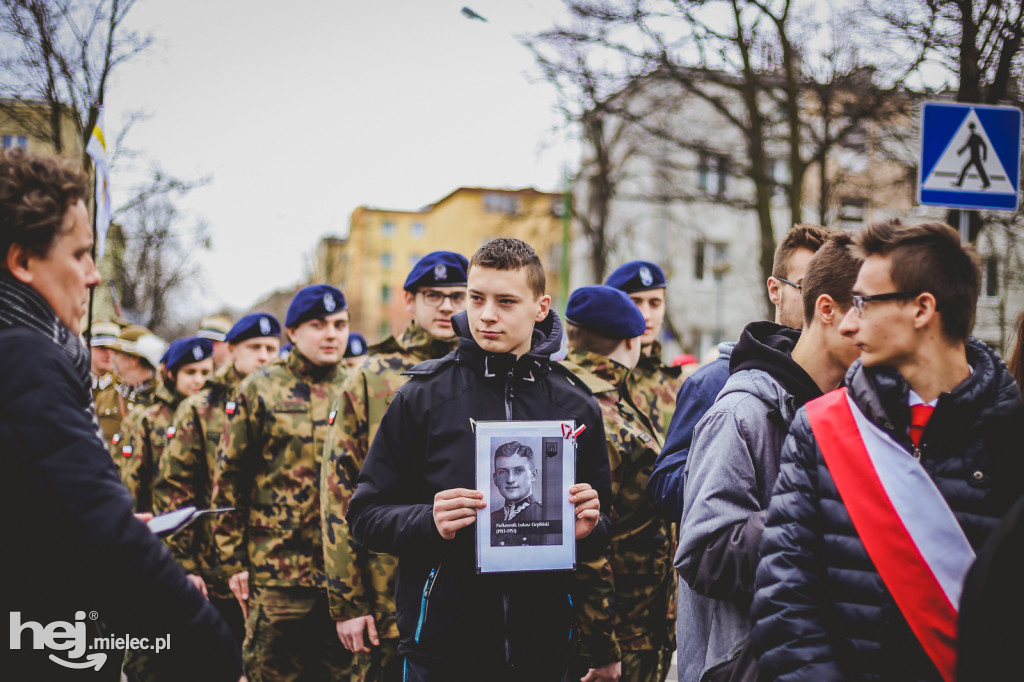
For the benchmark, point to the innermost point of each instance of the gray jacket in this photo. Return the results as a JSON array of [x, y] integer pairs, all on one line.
[[729, 478]]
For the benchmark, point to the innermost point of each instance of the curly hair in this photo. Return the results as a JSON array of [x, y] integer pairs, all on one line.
[[35, 194]]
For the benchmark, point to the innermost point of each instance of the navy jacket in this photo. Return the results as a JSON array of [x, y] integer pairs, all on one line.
[[426, 444], [821, 611], [72, 543]]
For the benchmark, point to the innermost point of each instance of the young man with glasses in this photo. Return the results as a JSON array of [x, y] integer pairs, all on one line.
[[888, 487], [361, 583]]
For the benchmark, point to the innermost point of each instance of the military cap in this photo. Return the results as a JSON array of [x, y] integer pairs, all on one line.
[[313, 302], [214, 327], [605, 311], [252, 326], [637, 275], [356, 345], [186, 351], [104, 334], [438, 269], [128, 340]]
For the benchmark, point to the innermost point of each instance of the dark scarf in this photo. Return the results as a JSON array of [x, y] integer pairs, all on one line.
[[22, 306]]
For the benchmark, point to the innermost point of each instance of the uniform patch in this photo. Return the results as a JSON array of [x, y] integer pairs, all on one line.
[[229, 407], [440, 272], [265, 326], [116, 439], [331, 417], [170, 432], [197, 352], [126, 451], [646, 276], [329, 303]]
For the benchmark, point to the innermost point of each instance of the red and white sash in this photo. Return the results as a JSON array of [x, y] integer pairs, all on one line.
[[906, 525]]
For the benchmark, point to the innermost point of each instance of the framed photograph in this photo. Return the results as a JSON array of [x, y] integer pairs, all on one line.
[[524, 470]]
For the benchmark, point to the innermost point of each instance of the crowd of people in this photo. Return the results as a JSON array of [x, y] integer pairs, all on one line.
[[808, 505]]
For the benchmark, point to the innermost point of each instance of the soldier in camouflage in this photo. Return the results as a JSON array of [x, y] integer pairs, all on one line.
[[361, 583], [270, 550], [103, 336], [187, 466], [653, 385], [627, 615], [137, 354]]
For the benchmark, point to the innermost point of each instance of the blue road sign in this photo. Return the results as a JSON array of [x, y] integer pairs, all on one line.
[[970, 156]]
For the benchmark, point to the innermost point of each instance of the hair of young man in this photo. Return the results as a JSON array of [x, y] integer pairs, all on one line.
[[584, 339], [1016, 361], [513, 449], [929, 258], [832, 271], [35, 195], [506, 253], [801, 236]]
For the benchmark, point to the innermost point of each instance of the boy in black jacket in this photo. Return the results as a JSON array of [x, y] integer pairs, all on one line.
[[414, 497]]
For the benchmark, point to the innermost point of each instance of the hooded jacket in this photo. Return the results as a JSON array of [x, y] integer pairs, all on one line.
[[730, 473], [821, 611], [446, 611]]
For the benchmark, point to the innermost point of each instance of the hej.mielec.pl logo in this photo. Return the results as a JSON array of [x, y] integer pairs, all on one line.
[[59, 636]]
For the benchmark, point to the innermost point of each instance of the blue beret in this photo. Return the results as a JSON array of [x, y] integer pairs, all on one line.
[[186, 351], [356, 345], [637, 275], [314, 302], [438, 269], [605, 311], [252, 326]]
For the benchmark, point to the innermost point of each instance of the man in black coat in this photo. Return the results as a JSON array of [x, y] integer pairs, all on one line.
[[415, 496], [830, 602], [85, 579]]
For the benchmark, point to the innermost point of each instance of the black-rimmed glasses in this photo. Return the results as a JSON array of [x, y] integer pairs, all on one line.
[[798, 287], [859, 301], [434, 298]]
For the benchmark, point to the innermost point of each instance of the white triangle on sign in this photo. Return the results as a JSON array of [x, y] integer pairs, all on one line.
[[957, 169]]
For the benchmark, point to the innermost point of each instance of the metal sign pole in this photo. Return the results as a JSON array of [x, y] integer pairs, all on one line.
[[965, 226]]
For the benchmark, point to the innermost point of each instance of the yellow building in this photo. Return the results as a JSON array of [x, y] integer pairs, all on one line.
[[371, 264], [27, 124]]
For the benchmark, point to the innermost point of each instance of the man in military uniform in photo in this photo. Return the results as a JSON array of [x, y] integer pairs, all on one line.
[[627, 598], [515, 474], [653, 385], [137, 354], [361, 583], [186, 469], [270, 550]]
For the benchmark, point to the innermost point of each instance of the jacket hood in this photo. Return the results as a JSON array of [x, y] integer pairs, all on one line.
[[768, 347], [547, 335]]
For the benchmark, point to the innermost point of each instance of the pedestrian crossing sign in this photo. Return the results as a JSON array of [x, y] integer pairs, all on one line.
[[970, 156]]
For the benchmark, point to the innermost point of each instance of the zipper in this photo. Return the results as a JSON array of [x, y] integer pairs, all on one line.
[[508, 636], [427, 587], [569, 597], [509, 394]]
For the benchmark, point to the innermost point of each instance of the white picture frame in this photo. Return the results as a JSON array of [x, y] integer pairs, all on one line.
[[528, 523]]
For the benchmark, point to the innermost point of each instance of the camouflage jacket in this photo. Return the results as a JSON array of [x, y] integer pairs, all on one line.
[[361, 582], [653, 386], [143, 445], [268, 468], [627, 597], [113, 407], [186, 469]]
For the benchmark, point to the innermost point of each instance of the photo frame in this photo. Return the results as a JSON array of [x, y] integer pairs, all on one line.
[[525, 469]]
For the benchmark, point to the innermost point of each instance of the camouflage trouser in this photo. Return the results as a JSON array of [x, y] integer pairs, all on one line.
[[382, 664], [290, 636], [651, 665]]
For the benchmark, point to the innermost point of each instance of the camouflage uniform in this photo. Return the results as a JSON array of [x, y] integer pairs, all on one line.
[[361, 582], [628, 597], [113, 407], [268, 468], [146, 435], [653, 386]]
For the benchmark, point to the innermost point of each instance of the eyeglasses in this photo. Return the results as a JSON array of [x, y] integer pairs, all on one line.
[[434, 298], [859, 301], [796, 286]]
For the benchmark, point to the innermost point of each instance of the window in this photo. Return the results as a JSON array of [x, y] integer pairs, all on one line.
[[501, 203], [12, 141], [710, 261], [385, 260], [417, 230], [387, 229], [384, 330], [851, 213], [990, 278], [712, 173], [385, 294]]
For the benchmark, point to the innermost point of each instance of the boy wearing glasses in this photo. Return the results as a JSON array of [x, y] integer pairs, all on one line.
[[361, 583], [889, 486]]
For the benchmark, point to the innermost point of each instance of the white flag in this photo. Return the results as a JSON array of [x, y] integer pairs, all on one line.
[[97, 149]]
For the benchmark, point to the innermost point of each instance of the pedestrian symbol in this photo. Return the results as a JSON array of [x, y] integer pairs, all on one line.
[[970, 156]]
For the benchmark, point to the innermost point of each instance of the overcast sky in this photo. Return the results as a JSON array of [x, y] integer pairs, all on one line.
[[302, 114]]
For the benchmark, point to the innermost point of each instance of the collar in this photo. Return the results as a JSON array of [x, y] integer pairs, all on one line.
[[133, 393], [417, 341], [300, 366], [601, 366], [512, 509]]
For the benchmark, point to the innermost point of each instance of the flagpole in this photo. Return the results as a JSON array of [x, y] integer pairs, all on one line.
[[95, 239]]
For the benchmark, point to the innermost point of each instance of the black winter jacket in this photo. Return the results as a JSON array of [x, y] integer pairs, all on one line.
[[426, 444], [821, 612], [74, 551]]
